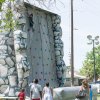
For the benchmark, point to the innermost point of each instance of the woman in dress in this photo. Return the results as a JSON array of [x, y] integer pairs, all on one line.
[[47, 92]]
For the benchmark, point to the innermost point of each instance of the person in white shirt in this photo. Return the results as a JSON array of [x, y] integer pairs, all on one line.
[[36, 90], [47, 92]]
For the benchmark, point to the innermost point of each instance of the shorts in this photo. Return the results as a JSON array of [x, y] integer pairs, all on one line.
[[36, 99]]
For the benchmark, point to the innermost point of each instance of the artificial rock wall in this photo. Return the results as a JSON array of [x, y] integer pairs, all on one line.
[[60, 65], [7, 62], [33, 50]]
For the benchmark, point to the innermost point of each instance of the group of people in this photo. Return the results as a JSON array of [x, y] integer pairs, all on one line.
[[36, 92]]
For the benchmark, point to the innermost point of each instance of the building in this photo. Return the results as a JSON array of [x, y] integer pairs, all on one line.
[[77, 79]]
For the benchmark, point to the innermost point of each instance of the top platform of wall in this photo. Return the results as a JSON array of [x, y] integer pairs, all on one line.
[[39, 7]]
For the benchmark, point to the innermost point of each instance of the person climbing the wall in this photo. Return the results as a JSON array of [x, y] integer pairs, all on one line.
[[36, 90], [47, 92]]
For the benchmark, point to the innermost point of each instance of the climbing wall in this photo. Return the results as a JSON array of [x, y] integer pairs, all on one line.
[[33, 50], [41, 52]]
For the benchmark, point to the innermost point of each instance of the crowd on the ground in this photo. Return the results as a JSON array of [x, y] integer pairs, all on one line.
[[37, 93]]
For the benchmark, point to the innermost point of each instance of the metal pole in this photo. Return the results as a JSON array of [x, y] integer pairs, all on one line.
[[72, 47], [94, 62]]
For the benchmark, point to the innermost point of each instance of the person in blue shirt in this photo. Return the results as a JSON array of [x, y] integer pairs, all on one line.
[[90, 93]]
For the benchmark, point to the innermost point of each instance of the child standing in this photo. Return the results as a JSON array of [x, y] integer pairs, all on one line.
[[21, 95]]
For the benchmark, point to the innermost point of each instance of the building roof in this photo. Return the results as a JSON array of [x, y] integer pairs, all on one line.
[[75, 75], [79, 76]]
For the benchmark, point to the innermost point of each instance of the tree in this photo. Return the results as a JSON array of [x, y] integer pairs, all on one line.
[[88, 64]]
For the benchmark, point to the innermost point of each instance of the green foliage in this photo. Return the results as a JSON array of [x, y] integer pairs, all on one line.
[[9, 23], [6, 22], [1, 2], [88, 64]]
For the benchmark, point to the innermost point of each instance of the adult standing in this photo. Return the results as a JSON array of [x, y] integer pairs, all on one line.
[[85, 89], [90, 90], [36, 90], [47, 92]]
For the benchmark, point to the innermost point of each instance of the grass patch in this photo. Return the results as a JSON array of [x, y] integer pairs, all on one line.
[[98, 97]]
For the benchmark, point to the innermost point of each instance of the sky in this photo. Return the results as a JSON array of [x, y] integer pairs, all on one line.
[[86, 17], [86, 22]]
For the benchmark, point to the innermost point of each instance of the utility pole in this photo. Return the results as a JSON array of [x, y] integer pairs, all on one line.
[[94, 62], [72, 47]]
